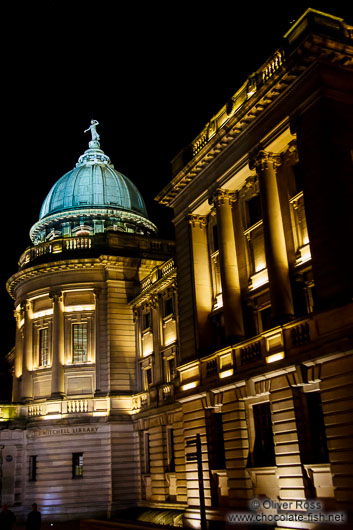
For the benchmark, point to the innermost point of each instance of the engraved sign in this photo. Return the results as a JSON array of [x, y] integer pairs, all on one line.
[[58, 431]]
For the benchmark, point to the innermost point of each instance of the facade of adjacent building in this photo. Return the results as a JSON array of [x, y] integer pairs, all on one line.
[[127, 346]]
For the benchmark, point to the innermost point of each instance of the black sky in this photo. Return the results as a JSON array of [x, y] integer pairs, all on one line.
[[151, 73]]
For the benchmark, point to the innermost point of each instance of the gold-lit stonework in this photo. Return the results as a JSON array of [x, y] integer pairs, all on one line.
[[134, 355]]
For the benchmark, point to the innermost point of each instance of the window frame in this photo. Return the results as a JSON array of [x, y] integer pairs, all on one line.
[[77, 463], [83, 357], [32, 468]]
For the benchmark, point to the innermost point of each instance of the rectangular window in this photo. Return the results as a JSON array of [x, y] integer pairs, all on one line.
[[265, 318], [256, 248], [213, 245], [316, 451], [168, 307], [263, 453], [80, 342], [215, 440], [171, 368], [300, 229], [170, 449], [77, 465], [33, 468], [254, 211], [215, 238], [148, 376], [43, 347], [146, 321], [146, 444]]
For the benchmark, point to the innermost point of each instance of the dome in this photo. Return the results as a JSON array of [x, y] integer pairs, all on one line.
[[93, 183], [93, 197]]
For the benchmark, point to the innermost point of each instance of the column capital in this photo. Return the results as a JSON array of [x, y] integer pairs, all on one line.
[[264, 160], [26, 306], [56, 296], [291, 154], [97, 292], [222, 196], [18, 314], [197, 221]]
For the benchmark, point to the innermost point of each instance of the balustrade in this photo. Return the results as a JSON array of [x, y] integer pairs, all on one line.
[[77, 406]]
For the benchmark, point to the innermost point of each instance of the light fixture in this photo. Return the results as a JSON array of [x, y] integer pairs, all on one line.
[[275, 357], [226, 373]]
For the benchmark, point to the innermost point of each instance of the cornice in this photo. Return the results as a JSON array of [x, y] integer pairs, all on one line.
[[63, 266], [314, 48]]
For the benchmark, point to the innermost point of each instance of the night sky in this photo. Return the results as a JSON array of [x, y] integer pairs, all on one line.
[[151, 73]]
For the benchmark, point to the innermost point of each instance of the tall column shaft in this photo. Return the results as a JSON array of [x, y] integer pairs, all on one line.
[[202, 279], [97, 339], [27, 388], [231, 293], [275, 244], [16, 387], [57, 369]]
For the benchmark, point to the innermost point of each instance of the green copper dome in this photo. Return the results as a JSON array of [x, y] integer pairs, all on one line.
[[94, 183], [93, 197]]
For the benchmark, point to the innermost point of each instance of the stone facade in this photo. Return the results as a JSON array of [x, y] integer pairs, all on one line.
[[243, 338]]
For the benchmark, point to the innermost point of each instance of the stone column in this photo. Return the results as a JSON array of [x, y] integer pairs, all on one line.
[[275, 244], [57, 368], [27, 388], [233, 313], [96, 358], [16, 388], [202, 279]]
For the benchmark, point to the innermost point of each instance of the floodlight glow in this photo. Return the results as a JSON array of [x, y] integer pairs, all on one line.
[[275, 357], [193, 384], [226, 373]]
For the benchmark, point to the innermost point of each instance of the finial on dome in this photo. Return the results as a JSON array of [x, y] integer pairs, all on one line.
[[94, 143]]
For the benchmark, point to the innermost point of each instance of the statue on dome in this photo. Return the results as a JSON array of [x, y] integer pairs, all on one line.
[[92, 128]]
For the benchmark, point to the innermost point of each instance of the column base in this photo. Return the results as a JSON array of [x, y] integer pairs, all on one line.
[[57, 395]]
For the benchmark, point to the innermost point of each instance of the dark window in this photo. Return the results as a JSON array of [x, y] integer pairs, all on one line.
[[215, 441], [218, 330], [80, 342], [43, 347], [77, 465], [215, 238], [170, 446], [146, 442], [254, 210], [168, 307], [263, 453], [266, 320], [148, 376], [316, 451], [146, 320], [33, 468], [171, 369], [298, 176]]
